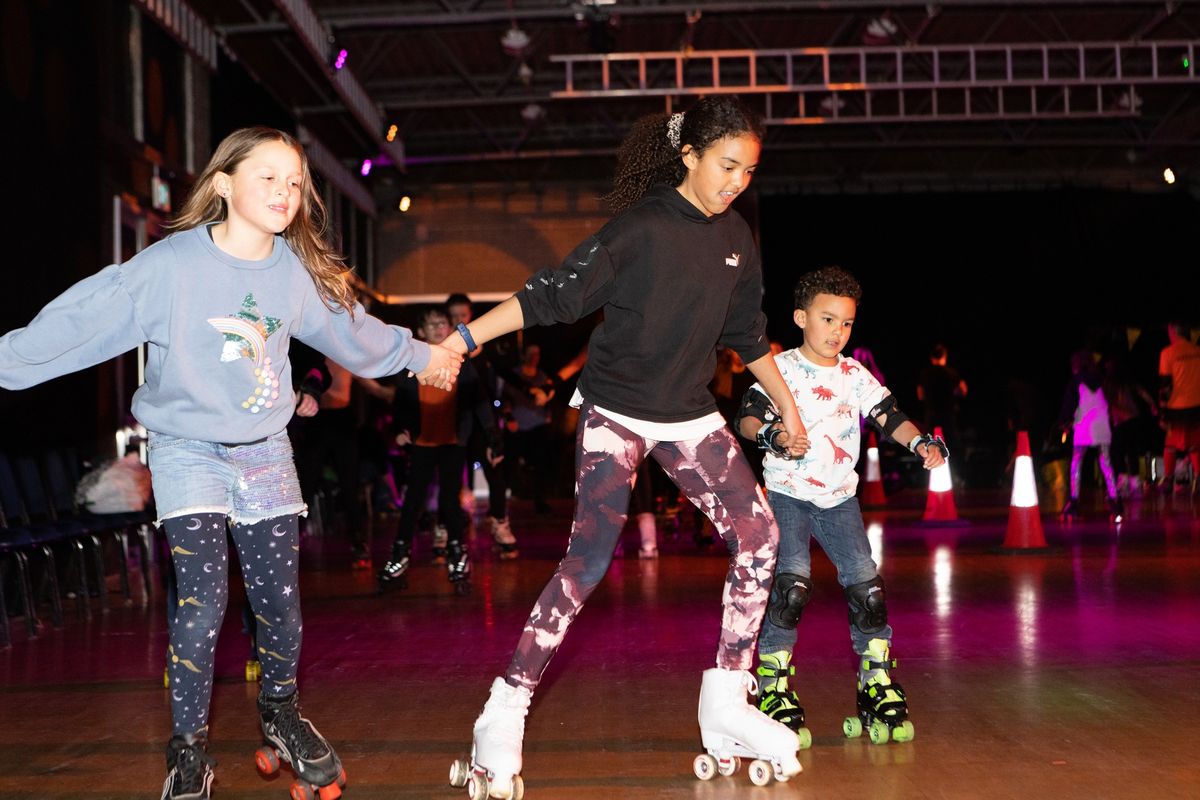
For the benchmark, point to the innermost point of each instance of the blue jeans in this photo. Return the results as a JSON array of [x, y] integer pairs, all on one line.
[[840, 532], [247, 483]]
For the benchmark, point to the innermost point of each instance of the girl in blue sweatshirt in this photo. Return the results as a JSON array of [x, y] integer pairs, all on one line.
[[218, 301]]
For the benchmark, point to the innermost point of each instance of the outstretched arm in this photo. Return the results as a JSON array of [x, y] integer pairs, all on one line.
[[504, 318]]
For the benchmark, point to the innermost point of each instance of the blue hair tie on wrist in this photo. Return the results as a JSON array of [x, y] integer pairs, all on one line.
[[465, 333]]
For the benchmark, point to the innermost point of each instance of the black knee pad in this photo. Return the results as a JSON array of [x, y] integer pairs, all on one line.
[[868, 605], [790, 593]]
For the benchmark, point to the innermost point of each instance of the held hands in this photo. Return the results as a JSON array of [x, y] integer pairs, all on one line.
[[403, 438], [442, 370], [795, 438], [307, 405], [932, 455]]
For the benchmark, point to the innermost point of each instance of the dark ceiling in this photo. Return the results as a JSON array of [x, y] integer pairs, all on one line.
[[1112, 101]]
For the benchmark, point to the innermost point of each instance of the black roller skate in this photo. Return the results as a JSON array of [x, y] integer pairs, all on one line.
[[776, 698], [1070, 510], [395, 569], [360, 556], [440, 536], [189, 769], [458, 567], [882, 706], [1116, 510], [289, 737]]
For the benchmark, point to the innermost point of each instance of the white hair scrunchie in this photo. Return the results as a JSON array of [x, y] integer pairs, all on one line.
[[674, 126]]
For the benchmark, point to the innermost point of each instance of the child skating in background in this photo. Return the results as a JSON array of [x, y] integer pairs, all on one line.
[[435, 426], [247, 269], [813, 496], [1084, 416]]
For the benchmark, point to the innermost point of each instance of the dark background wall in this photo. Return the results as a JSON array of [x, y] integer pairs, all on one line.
[[1012, 283]]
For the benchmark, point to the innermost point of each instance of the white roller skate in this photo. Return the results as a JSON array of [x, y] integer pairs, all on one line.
[[731, 728], [495, 766], [648, 532], [505, 543]]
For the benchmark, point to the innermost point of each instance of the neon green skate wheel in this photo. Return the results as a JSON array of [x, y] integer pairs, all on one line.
[[903, 732], [879, 732], [805, 737], [852, 727]]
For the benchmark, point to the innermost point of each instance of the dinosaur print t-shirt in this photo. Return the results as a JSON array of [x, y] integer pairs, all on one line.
[[830, 401]]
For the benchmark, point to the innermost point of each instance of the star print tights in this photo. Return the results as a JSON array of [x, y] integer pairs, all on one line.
[[270, 559]]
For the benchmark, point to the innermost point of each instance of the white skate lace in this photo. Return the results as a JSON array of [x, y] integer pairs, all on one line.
[[192, 761], [299, 735], [504, 719]]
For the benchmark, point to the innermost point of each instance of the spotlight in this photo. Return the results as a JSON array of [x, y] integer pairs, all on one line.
[[405, 204], [880, 31], [832, 104], [339, 58], [532, 112], [514, 41], [391, 133], [365, 169], [1169, 176]]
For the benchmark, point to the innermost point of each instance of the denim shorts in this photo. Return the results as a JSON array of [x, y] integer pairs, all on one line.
[[247, 483]]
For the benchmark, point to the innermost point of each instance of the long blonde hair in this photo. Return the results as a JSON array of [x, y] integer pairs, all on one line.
[[306, 234]]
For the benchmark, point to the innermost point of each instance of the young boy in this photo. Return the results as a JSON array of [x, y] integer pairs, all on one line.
[[437, 424], [813, 495]]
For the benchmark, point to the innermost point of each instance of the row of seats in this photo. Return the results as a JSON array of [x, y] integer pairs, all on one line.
[[41, 523]]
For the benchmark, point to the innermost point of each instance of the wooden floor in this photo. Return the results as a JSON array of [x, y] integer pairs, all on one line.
[[1063, 675]]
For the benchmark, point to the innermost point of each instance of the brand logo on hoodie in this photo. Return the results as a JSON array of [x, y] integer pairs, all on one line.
[[732, 260]]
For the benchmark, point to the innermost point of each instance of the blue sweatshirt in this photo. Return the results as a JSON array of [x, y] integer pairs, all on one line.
[[218, 329]]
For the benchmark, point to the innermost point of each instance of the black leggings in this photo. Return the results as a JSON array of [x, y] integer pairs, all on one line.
[[269, 552]]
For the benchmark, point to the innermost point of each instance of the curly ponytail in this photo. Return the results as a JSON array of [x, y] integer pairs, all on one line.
[[648, 155]]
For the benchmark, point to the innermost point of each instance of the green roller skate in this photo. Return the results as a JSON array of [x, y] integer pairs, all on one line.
[[882, 706], [776, 698]]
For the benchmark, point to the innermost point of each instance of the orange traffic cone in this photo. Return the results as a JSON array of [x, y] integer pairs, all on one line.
[[872, 491], [1024, 517], [939, 506]]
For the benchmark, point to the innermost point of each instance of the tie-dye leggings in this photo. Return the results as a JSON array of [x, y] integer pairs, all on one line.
[[270, 559], [714, 475]]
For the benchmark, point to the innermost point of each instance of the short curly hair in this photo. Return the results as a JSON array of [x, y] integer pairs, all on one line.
[[827, 280]]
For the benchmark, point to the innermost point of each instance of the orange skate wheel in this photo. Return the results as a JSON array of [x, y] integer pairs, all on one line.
[[301, 791], [267, 761]]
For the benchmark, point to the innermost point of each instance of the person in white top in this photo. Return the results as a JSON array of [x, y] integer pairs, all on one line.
[[1084, 415], [814, 496]]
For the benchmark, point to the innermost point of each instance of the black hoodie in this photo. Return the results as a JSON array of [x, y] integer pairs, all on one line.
[[673, 284]]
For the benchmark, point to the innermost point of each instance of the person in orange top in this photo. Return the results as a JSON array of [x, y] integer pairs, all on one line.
[[436, 424], [1179, 369]]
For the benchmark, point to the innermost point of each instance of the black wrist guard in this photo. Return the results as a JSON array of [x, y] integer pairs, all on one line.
[[768, 439], [929, 441]]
